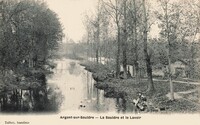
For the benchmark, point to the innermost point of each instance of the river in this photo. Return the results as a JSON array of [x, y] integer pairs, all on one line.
[[76, 86]]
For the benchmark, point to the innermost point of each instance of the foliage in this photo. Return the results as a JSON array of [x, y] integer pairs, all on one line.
[[29, 35]]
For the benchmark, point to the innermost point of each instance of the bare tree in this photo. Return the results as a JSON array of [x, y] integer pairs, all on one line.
[[114, 11]]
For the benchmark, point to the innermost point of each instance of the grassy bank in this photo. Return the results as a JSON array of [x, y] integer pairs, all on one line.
[[185, 101]]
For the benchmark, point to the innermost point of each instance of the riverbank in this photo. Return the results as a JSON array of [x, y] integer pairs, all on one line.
[[186, 95]]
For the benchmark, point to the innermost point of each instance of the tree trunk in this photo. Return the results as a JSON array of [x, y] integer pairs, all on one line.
[[92, 51], [96, 48], [98, 33], [147, 58], [192, 61], [124, 60], [88, 44], [106, 52], [100, 55], [97, 55], [118, 51], [136, 65], [124, 46], [16, 99], [169, 56], [21, 99]]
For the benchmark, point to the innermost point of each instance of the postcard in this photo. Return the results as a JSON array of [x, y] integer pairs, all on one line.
[[99, 62]]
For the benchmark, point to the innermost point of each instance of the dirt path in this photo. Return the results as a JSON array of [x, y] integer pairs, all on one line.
[[174, 81], [180, 95]]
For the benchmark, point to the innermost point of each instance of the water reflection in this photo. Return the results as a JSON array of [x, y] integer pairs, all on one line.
[[38, 99], [74, 69], [69, 88], [96, 101]]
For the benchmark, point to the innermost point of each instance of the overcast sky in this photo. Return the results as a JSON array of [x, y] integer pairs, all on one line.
[[71, 14]]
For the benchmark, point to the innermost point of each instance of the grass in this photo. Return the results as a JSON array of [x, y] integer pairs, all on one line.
[[128, 89]]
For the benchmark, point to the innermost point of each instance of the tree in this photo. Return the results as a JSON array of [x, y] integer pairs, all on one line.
[[191, 27], [125, 35], [136, 44], [166, 27], [147, 57], [114, 10], [30, 32], [134, 9]]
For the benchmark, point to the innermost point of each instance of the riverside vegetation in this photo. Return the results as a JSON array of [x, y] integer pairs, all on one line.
[[128, 89]]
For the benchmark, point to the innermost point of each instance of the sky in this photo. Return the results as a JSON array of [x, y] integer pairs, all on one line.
[[71, 14]]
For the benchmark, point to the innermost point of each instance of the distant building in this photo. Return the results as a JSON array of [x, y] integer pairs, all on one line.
[[130, 69], [179, 68]]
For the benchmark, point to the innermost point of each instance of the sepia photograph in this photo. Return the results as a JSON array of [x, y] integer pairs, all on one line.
[[63, 60]]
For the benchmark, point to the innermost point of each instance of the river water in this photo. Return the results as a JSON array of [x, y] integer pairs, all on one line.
[[76, 86]]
